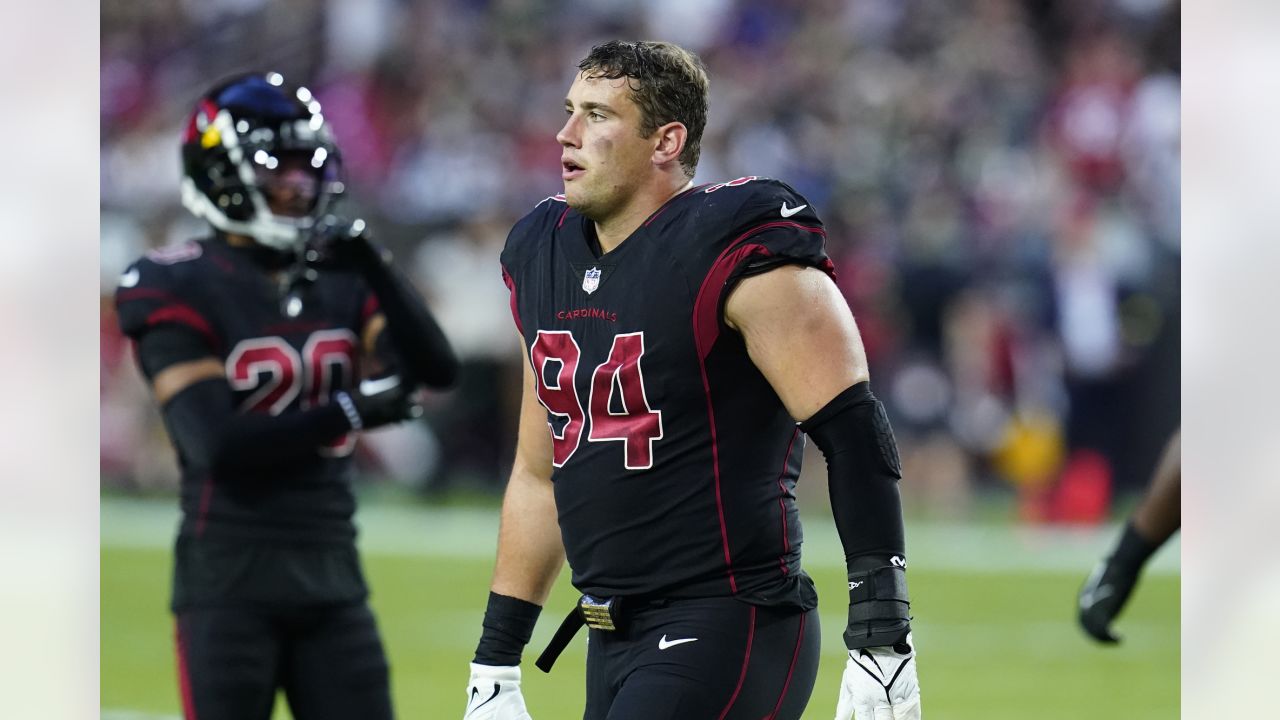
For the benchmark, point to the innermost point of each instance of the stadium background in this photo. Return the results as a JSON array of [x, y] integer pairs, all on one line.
[[1001, 183]]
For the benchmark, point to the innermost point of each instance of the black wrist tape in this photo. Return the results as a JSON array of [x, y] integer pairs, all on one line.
[[508, 625], [1133, 550], [879, 608]]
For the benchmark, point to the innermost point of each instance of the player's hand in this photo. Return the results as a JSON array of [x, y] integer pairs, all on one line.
[[382, 402], [493, 693], [880, 683], [343, 243], [1102, 598]]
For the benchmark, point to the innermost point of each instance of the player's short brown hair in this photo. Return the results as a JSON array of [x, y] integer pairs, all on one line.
[[667, 82]]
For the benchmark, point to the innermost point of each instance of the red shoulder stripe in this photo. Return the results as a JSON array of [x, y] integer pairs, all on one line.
[[515, 309], [185, 315]]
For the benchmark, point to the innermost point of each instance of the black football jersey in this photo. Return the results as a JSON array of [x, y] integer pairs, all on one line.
[[675, 462], [274, 364]]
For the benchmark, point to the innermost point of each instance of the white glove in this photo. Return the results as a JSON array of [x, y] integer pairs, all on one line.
[[879, 684], [493, 693]]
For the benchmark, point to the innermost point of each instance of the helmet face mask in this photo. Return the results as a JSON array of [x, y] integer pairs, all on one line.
[[259, 160]]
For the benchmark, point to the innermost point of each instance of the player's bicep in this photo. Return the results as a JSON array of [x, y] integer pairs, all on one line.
[[533, 443], [800, 334]]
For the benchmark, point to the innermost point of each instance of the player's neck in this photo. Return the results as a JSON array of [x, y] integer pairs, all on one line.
[[612, 231]]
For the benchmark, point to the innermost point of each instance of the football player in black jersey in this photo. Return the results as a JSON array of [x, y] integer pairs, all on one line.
[[254, 341], [682, 341]]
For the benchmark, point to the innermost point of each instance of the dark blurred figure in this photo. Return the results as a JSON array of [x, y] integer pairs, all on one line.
[[252, 341]]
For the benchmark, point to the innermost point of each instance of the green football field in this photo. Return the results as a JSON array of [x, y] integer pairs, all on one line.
[[993, 605]]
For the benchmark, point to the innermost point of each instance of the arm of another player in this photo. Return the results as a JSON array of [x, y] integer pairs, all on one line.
[[423, 352], [530, 555], [1157, 517], [198, 405], [801, 335], [1159, 514]]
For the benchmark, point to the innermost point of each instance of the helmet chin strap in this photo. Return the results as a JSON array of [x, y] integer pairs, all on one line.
[[265, 227]]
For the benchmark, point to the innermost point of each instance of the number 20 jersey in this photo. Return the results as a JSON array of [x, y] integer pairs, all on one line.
[[675, 462], [275, 364]]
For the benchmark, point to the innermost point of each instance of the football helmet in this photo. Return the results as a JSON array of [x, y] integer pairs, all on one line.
[[251, 141]]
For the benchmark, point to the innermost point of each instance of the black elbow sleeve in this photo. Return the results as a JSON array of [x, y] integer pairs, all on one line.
[[863, 470], [196, 418], [211, 435], [419, 343]]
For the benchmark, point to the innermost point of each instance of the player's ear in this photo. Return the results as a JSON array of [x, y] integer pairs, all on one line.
[[670, 142]]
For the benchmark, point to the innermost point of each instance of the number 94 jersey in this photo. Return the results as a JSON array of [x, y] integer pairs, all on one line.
[[675, 462]]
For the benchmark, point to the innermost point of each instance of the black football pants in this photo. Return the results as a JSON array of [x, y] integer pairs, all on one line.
[[706, 659], [328, 660]]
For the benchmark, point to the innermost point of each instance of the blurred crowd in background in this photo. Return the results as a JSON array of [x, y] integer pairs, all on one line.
[[999, 180]]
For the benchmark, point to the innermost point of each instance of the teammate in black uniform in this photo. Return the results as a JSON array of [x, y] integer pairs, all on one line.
[[675, 334], [253, 341]]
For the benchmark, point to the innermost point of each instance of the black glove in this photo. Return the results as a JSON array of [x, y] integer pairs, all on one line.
[[1103, 597], [384, 407], [343, 243], [423, 351]]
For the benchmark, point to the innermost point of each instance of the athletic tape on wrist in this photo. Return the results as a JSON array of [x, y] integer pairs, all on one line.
[[879, 608]]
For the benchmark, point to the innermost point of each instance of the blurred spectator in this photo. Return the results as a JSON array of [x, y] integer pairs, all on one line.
[[1000, 178]]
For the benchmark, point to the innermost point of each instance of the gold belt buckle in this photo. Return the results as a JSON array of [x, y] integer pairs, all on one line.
[[597, 613]]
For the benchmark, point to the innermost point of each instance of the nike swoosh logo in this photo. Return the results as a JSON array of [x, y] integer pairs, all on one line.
[[789, 211], [664, 643], [475, 691], [130, 278], [1096, 596], [1093, 586], [373, 387]]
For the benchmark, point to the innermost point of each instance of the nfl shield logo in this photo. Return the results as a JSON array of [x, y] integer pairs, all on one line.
[[591, 280]]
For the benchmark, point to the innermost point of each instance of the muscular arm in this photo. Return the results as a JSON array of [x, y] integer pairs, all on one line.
[[530, 550], [800, 334]]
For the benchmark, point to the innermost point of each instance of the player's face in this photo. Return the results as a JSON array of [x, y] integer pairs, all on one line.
[[292, 187], [604, 158]]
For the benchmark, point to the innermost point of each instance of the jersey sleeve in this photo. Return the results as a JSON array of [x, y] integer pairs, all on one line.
[[152, 295], [775, 226], [769, 225], [522, 244]]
